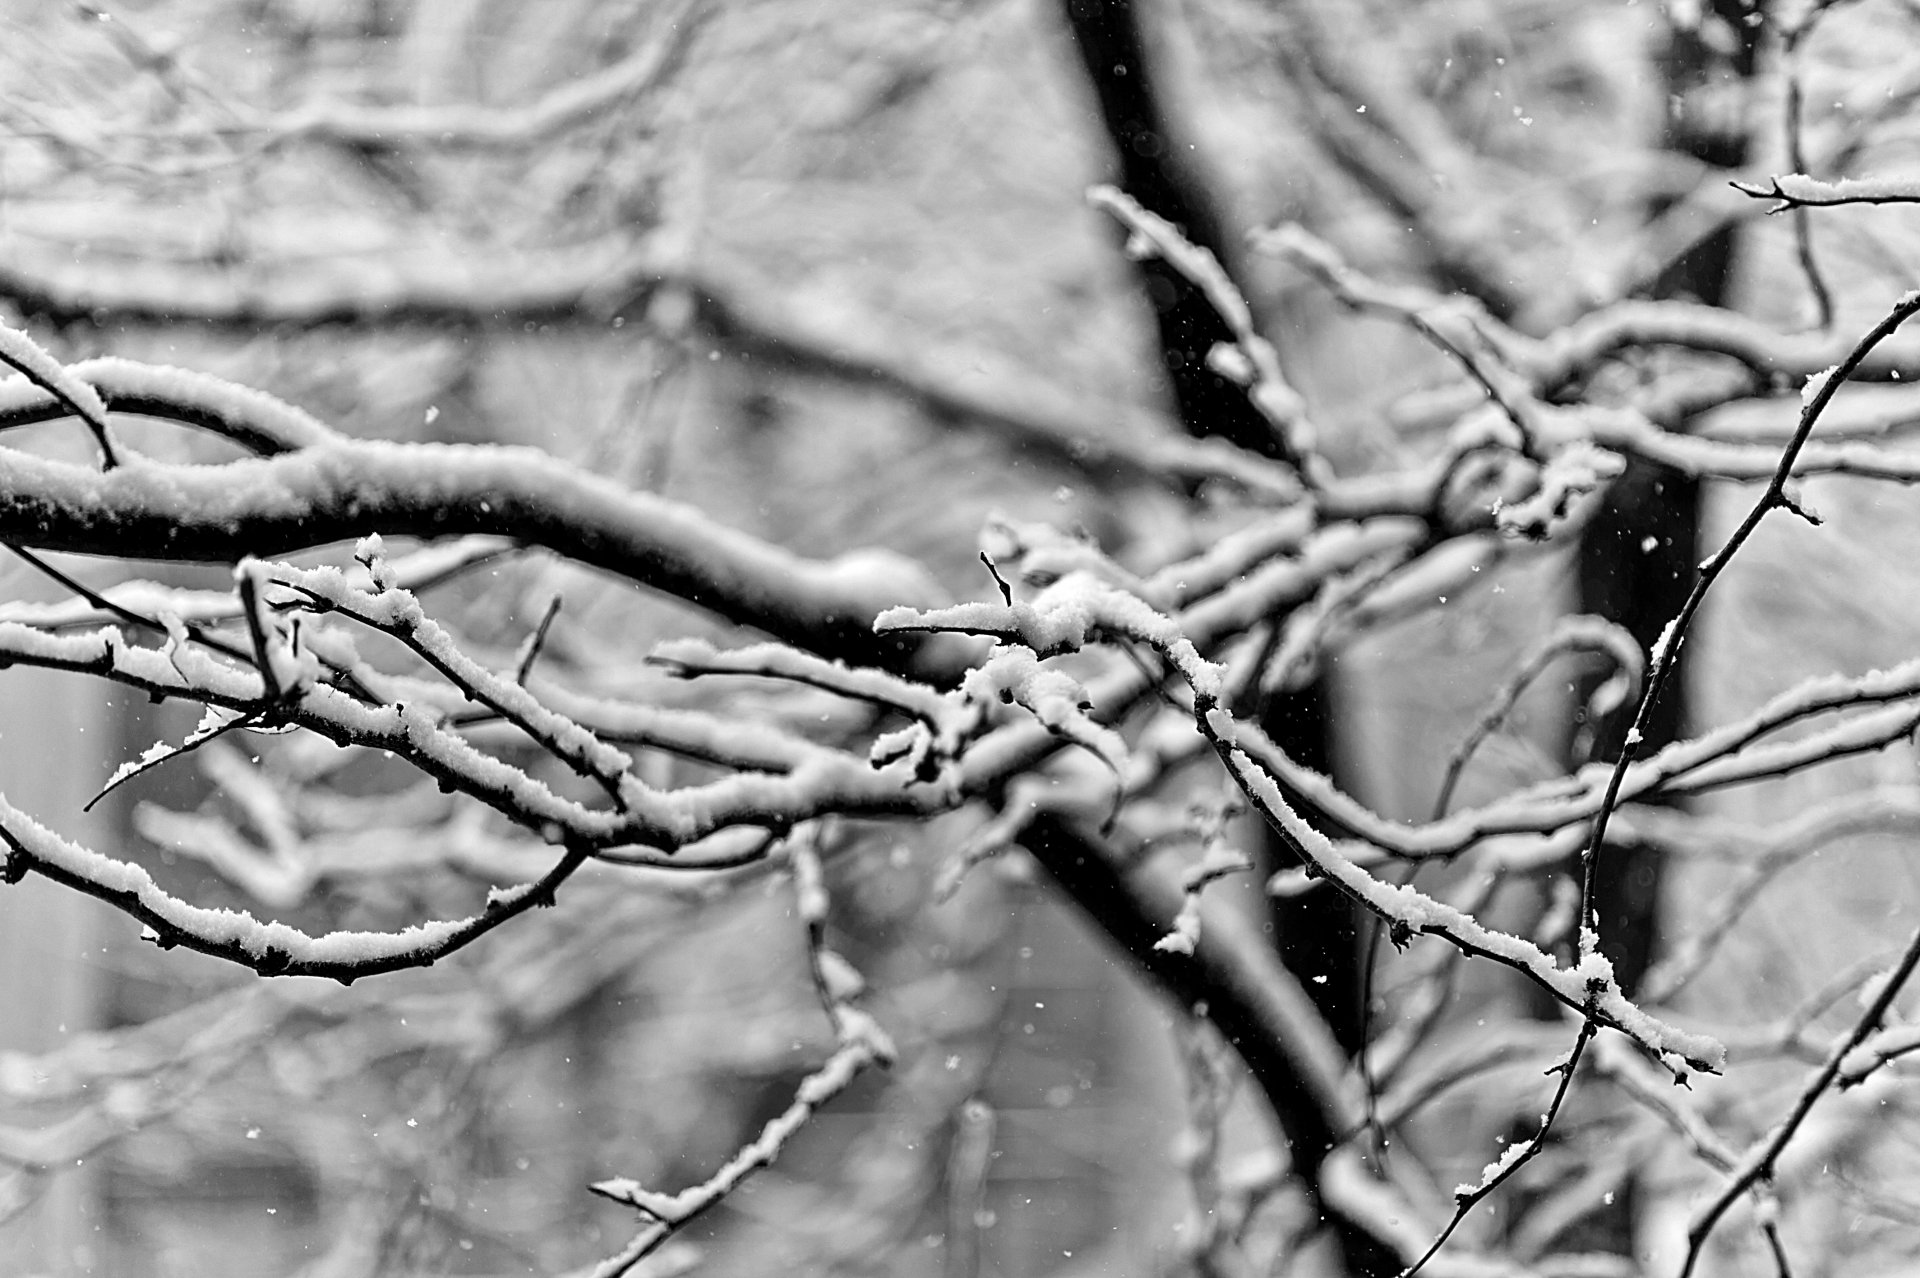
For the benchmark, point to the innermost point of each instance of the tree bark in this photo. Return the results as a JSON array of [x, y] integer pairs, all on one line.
[[1317, 936], [1263, 1013]]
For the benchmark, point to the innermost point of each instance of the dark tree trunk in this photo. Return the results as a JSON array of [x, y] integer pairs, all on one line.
[[1317, 935], [1639, 556], [1229, 997], [1637, 560], [1107, 34]]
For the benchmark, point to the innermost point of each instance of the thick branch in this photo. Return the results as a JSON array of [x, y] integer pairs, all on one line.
[[345, 491]]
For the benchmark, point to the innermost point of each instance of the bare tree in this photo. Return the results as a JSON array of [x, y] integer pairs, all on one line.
[[529, 721]]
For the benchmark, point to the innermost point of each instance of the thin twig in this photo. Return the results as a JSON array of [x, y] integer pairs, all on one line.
[[1467, 1197], [166, 754], [21, 352], [535, 642], [1426, 315], [859, 1044], [1797, 157], [1579, 633], [257, 630], [1758, 1164], [197, 633], [1666, 651], [1252, 361]]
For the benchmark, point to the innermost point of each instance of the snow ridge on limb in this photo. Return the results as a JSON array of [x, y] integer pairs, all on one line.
[[349, 707], [1063, 618], [1079, 609], [859, 1044], [340, 491], [1409, 912], [1542, 366], [1818, 394], [1757, 1165], [1797, 190], [257, 421], [271, 949], [398, 613], [473, 126], [19, 351], [416, 571], [1251, 360]]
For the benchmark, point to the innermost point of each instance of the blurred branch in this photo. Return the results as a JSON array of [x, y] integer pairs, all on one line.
[[1398, 148], [1570, 634], [1666, 651], [341, 491], [469, 126], [1251, 359], [584, 286], [1757, 1164], [859, 1044]]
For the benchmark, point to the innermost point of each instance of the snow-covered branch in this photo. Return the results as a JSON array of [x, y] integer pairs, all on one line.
[[342, 491], [1797, 190], [859, 1044], [271, 949]]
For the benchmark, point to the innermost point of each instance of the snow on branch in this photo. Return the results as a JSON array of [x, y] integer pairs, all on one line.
[[1517, 370], [1219, 859], [1252, 360], [1884, 706], [1516, 1155], [396, 612], [1630, 433], [1063, 618], [257, 421], [1756, 856], [1797, 190], [271, 949], [1078, 609], [1877, 1051], [1757, 1165], [280, 651], [1584, 345], [1588, 987], [692, 658], [1571, 475], [342, 491], [700, 735], [1818, 394], [859, 1044], [425, 282], [424, 734], [19, 351], [863, 1044], [1459, 327], [150, 601], [1578, 633]]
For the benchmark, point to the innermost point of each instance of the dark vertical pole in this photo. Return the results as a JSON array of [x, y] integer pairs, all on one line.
[[1317, 935], [1636, 562], [1107, 34], [1638, 557]]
